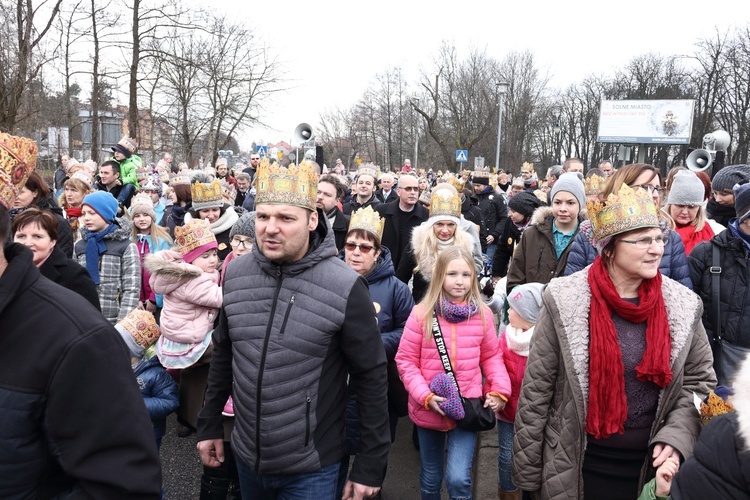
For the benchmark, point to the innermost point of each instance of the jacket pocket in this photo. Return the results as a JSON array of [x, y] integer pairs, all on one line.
[[286, 316], [308, 405]]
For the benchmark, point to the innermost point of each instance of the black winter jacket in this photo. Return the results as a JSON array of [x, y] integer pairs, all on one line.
[[392, 231], [72, 421], [70, 274], [294, 330], [494, 211], [735, 286]]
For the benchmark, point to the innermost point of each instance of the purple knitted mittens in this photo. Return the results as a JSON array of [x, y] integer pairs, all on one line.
[[444, 386]]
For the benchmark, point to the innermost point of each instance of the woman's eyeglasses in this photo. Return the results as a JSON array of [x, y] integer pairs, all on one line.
[[646, 242], [650, 189], [235, 242], [363, 247]]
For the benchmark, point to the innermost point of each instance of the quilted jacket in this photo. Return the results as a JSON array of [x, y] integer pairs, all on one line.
[[192, 298], [550, 438], [473, 350], [119, 271]]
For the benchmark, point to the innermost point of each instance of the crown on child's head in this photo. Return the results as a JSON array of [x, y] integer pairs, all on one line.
[[368, 220], [445, 201], [141, 325], [206, 195], [627, 210], [294, 185], [193, 235]]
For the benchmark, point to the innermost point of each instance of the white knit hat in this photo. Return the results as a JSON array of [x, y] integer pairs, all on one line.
[[687, 189]]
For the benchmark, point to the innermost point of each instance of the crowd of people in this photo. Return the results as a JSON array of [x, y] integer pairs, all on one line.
[[291, 316]]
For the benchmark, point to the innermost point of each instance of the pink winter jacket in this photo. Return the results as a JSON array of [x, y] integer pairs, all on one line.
[[469, 347], [192, 298]]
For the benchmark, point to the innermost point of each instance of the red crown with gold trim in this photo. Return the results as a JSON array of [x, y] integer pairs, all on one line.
[[17, 161]]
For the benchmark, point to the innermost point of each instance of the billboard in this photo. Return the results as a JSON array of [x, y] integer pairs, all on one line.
[[646, 121]]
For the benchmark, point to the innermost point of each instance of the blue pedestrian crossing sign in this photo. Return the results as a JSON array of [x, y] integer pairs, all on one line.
[[261, 150], [462, 155]]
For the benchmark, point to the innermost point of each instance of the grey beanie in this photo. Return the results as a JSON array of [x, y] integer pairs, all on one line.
[[573, 184], [526, 300], [245, 226], [687, 189], [742, 201], [728, 176]]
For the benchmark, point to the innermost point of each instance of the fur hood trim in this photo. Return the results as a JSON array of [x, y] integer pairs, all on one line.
[[170, 269], [518, 340], [541, 214], [427, 262], [572, 296], [741, 401]]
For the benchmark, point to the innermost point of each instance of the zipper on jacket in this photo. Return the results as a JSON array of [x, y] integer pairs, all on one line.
[[286, 316], [307, 419], [262, 367]]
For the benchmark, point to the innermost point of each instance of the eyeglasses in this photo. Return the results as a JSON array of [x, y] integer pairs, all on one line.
[[254, 159], [646, 242], [650, 189], [235, 242], [363, 247]]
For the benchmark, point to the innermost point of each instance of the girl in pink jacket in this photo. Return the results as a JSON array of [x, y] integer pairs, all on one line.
[[524, 302], [189, 281], [469, 333]]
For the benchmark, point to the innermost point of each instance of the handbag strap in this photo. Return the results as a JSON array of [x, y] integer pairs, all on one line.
[[437, 334], [715, 271]]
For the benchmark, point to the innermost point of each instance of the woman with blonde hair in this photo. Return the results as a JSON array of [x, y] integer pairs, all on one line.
[[75, 190], [445, 227], [685, 204]]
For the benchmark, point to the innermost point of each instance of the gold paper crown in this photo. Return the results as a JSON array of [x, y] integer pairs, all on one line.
[[179, 179], [206, 195], [293, 185], [192, 235], [228, 192], [129, 144], [368, 220], [457, 183], [83, 177], [713, 407], [17, 161], [445, 201], [481, 172], [593, 185], [142, 326], [621, 212], [528, 165], [368, 169]]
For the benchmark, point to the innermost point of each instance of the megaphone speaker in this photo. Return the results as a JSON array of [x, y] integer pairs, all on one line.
[[699, 160], [303, 133]]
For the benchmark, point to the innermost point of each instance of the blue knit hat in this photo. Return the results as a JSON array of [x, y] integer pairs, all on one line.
[[103, 203]]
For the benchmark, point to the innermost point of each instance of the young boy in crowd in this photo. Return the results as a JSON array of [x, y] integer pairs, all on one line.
[[129, 164]]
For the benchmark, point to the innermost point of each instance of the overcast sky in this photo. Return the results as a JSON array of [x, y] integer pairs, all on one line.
[[332, 49]]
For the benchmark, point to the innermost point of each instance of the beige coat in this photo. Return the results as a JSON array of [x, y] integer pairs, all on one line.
[[550, 438]]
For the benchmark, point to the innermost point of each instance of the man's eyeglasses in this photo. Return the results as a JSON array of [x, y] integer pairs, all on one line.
[[650, 189], [646, 242], [235, 242], [254, 159], [363, 247]]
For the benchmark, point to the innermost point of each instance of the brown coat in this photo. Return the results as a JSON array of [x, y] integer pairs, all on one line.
[[550, 438], [535, 259]]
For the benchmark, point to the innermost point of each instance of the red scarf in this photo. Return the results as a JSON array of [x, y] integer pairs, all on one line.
[[691, 237], [608, 407], [73, 212]]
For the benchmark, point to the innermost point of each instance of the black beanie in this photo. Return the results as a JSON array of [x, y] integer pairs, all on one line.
[[525, 203], [730, 175]]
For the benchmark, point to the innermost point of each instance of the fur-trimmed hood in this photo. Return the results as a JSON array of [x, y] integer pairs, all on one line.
[[543, 213], [169, 271], [427, 262], [741, 401]]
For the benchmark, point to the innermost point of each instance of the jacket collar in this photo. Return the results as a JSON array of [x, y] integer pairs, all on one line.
[[20, 274]]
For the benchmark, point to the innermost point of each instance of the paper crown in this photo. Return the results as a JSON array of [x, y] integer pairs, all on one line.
[[229, 192], [206, 195], [621, 212], [130, 144], [713, 406], [293, 185], [528, 165], [183, 178], [593, 185], [142, 326], [17, 161], [445, 201], [368, 169], [482, 172], [368, 220], [193, 235], [457, 183], [84, 177], [221, 161], [153, 183]]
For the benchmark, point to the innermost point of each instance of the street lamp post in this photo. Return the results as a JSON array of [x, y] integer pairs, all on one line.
[[557, 129], [502, 87]]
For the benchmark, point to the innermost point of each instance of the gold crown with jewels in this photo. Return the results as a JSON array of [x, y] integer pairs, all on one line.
[[192, 235], [593, 185], [627, 210], [446, 201], [206, 194], [368, 169], [142, 326], [368, 220], [17, 161], [293, 185]]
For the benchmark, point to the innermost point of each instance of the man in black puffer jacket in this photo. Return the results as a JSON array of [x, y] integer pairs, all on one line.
[[295, 322]]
